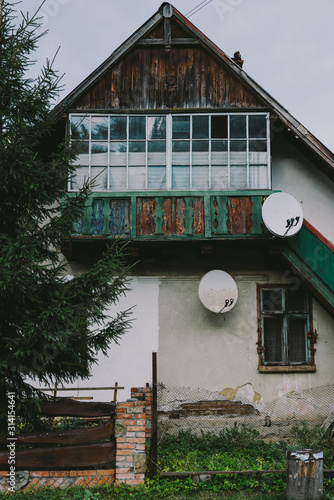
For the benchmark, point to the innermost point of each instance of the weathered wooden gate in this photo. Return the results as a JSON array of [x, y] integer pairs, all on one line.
[[72, 449]]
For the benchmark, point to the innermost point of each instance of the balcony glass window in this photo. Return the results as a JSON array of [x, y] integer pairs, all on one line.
[[221, 151]]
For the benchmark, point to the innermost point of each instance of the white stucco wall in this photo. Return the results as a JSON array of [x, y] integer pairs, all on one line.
[[293, 173], [201, 349]]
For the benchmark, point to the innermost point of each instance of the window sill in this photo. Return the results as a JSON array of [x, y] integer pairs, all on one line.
[[287, 369]]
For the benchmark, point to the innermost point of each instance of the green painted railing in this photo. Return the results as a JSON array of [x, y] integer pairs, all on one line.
[[173, 215], [316, 252]]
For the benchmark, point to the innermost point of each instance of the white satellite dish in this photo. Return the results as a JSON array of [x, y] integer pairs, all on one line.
[[282, 214], [218, 291]]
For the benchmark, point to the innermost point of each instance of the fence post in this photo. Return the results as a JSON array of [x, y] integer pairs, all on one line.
[[154, 435], [304, 474]]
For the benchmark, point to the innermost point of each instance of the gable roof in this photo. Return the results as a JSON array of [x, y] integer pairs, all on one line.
[[167, 12]]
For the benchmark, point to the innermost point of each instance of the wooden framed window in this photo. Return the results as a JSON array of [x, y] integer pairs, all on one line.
[[199, 151], [286, 339]]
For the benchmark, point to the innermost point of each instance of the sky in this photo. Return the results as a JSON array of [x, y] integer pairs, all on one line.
[[287, 45]]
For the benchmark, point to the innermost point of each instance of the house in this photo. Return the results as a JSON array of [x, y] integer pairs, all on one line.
[[185, 148]]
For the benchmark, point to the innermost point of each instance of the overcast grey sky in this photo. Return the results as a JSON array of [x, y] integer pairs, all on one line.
[[287, 45]]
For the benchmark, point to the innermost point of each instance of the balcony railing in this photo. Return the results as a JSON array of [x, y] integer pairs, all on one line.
[[176, 215]]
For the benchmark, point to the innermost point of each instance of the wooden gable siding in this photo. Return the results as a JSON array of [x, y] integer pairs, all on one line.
[[149, 77]]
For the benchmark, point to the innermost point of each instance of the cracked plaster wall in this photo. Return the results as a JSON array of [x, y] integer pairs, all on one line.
[[198, 348]]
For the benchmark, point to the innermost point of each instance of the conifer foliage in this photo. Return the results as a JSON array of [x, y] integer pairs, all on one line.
[[51, 328]]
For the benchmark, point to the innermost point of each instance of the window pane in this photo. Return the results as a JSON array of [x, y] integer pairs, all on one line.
[[100, 128], [181, 127], [99, 153], [237, 126], [118, 127], [117, 153], [200, 145], [156, 177], [296, 300], [137, 127], [82, 150], [118, 147], [137, 146], [100, 176], [257, 126], [218, 127], [238, 176], [158, 158], [200, 177], [137, 177], [258, 177], [118, 177], [219, 177], [156, 146], [273, 339], [181, 145], [181, 177], [81, 175], [272, 300], [297, 340], [200, 154], [219, 145], [156, 127], [258, 146], [80, 127], [200, 127], [238, 146]]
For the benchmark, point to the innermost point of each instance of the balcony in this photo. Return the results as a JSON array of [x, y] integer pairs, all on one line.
[[173, 215]]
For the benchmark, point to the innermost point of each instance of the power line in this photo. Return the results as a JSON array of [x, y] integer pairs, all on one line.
[[191, 13], [195, 8]]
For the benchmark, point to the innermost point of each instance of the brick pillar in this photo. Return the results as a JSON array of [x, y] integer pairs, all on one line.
[[130, 433], [145, 394]]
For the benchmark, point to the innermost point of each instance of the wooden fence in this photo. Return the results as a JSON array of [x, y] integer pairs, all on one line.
[[72, 449]]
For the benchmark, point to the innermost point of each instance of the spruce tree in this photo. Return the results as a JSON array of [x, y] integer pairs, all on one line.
[[51, 328]]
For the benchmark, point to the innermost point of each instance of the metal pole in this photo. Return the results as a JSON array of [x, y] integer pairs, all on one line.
[[154, 436]]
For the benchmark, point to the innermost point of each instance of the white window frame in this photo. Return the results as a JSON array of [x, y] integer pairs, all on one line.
[[169, 141]]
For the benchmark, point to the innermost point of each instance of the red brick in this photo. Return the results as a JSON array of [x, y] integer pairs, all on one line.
[[123, 470], [3, 473], [124, 477], [136, 440], [129, 404], [140, 434], [57, 482], [139, 476], [140, 403], [129, 422], [137, 428], [105, 472], [140, 416], [129, 459], [59, 473], [87, 481], [124, 452], [50, 482], [94, 481], [140, 447], [102, 480], [73, 473], [32, 483], [86, 472], [133, 482], [120, 458], [39, 473], [79, 481], [125, 446], [110, 480]]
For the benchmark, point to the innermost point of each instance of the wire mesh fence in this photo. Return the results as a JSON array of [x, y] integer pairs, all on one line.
[[201, 411]]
